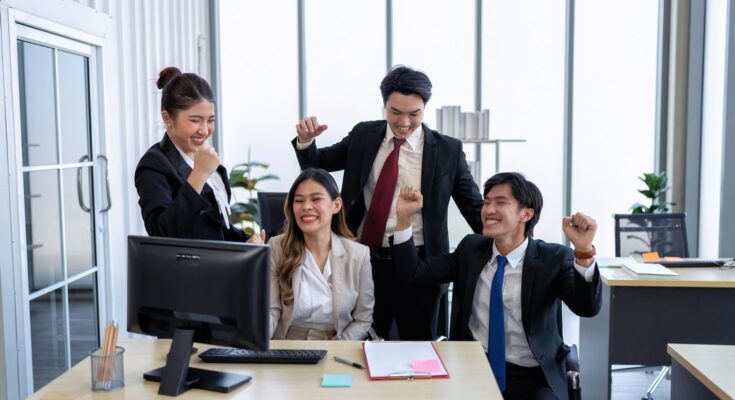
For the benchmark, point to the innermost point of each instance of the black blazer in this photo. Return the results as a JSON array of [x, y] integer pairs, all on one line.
[[548, 277], [170, 206], [444, 174]]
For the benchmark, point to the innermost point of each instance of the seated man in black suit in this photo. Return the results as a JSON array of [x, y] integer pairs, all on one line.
[[514, 316]]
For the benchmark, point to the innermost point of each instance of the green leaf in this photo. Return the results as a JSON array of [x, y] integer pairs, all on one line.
[[268, 177], [258, 164], [241, 176]]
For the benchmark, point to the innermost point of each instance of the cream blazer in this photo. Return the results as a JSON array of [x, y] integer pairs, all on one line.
[[353, 292]]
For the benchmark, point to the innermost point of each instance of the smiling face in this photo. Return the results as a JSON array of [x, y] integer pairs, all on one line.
[[404, 113], [503, 217], [313, 208], [191, 128]]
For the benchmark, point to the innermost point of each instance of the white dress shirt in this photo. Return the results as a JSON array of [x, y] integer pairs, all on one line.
[[517, 350], [409, 173], [313, 307]]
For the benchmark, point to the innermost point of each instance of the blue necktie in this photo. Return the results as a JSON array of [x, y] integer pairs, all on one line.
[[496, 326]]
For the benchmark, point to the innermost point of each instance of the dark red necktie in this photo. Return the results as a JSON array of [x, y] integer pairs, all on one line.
[[374, 227]]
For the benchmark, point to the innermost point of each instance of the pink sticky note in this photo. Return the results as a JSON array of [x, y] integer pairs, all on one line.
[[426, 366]]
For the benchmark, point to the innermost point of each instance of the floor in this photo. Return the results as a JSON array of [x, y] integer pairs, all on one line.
[[633, 384]]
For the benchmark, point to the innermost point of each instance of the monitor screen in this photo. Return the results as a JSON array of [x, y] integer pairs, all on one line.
[[219, 290]]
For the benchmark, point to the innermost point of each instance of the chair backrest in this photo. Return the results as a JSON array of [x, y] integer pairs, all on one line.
[[270, 210], [640, 233]]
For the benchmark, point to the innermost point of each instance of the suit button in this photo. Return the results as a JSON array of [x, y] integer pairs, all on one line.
[[201, 212]]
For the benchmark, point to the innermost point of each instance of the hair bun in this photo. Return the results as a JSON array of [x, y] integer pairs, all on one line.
[[166, 75]]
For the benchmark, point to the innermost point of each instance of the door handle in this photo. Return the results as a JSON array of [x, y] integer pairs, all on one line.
[[80, 191], [107, 183]]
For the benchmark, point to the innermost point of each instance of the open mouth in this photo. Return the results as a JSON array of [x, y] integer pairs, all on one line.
[[198, 140], [491, 221], [308, 218]]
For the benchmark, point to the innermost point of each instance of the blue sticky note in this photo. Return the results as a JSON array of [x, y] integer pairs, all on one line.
[[334, 380]]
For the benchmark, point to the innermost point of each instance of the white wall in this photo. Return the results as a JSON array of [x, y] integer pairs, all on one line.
[[142, 38], [260, 87], [713, 97], [614, 109], [145, 37]]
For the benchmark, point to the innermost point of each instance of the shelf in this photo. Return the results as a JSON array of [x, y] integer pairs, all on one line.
[[492, 141], [476, 166]]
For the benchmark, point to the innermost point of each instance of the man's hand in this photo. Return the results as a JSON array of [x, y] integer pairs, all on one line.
[[580, 229], [409, 202], [258, 238], [309, 128]]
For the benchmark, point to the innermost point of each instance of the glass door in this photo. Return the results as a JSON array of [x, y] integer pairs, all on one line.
[[60, 196]]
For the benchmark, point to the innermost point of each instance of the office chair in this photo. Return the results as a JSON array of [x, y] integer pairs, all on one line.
[[270, 212], [571, 360], [640, 233]]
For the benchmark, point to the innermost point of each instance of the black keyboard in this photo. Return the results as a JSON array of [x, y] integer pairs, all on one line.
[[690, 263], [273, 356]]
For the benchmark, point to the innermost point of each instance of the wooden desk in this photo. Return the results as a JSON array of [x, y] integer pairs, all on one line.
[[702, 371], [639, 317], [471, 377]]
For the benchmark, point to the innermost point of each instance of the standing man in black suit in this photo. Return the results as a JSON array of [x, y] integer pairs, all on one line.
[[378, 157], [508, 286]]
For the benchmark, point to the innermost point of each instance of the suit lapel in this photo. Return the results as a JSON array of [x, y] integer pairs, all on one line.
[[372, 145], [222, 171], [336, 261], [172, 153], [428, 164], [531, 264]]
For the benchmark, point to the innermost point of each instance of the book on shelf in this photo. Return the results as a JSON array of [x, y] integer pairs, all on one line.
[[471, 125], [648, 271]]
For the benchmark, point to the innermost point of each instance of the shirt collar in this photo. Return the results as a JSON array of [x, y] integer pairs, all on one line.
[[413, 140], [310, 262], [514, 257]]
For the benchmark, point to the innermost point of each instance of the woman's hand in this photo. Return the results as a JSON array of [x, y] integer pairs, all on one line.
[[258, 238], [206, 162]]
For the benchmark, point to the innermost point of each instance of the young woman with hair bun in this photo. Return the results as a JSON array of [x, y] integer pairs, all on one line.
[[183, 188]]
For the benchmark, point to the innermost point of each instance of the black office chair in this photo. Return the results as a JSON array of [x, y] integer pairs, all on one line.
[[571, 360], [640, 233], [270, 212]]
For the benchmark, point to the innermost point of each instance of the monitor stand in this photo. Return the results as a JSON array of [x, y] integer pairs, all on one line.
[[176, 377]]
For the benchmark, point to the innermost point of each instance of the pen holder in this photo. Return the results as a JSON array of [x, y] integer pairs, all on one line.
[[108, 373]]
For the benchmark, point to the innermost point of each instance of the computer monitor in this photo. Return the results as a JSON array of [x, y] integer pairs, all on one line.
[[198, 291], [270, 210]]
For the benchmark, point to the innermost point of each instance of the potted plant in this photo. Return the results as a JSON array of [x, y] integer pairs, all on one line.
[[655, 191], [649, 224], [245, 213]]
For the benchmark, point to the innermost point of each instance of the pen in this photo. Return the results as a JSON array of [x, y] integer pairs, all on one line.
[[348, 362]]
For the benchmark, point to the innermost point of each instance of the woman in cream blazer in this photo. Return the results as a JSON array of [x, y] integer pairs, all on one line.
[[321, 283]]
